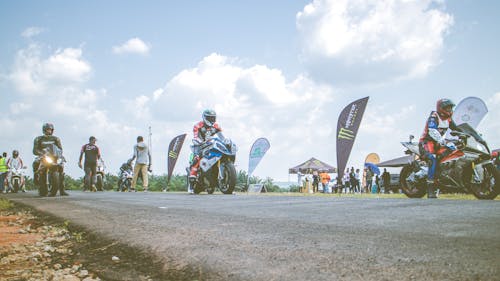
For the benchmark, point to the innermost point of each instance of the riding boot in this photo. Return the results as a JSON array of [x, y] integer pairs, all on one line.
[[431, 190]]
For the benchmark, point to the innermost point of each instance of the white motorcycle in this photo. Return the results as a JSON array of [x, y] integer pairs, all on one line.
[[17, 179]]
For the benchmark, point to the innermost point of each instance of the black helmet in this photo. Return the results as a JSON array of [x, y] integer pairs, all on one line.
[[46, 127], [209, 117], [445, 107], [15, 153]]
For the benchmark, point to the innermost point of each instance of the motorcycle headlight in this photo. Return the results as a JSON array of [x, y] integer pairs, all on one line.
[[49, 160]]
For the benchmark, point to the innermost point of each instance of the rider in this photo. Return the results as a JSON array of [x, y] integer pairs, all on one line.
[[15, 162], [201, 132], [39, 144], [433, 144], [92, 155]]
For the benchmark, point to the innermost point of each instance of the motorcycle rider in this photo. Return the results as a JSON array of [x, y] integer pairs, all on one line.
[[15, 162], [433, 144], [92, 155], [39, 144], [201, 132]]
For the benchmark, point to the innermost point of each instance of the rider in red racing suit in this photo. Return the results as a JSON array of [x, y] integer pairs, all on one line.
[[201, 132], [433, 145]]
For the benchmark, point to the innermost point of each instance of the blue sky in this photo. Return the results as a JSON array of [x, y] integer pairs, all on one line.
[[277, 69]]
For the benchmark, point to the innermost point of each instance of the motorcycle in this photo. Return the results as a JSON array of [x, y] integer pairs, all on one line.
[[217, 166], [17, 179], [100, 175], [51, 171], [469, 168], [125, 178]]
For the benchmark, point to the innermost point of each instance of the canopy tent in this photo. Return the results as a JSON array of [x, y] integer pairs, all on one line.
[[397, 162], [373, 167], [311, 165]]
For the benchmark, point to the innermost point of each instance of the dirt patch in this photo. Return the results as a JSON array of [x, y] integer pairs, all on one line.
[[37, 246]]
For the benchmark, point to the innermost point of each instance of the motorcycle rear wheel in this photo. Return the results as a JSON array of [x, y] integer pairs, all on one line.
[[490, 187], [412, 190]]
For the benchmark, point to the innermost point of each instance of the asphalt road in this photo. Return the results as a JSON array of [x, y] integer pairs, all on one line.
[[262, 237]]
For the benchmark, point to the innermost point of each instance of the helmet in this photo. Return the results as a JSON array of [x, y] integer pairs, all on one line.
[[15, 153], [46, 127], [209, 117], [444, 108]]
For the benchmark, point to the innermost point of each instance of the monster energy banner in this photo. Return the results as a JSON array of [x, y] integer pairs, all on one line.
[[259, 148], [174, 148], [347, 128]]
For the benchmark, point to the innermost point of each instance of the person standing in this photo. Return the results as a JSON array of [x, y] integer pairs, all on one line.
[[92, 155], [16, 163], [357, 176], [142, 163], [325, 179], [3, 171], [369, 179], [315, 181], [386, 180]]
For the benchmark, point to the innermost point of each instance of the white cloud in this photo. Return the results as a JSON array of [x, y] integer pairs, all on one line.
[[32, 31], [134, 45], [32, 74], [372, 41]]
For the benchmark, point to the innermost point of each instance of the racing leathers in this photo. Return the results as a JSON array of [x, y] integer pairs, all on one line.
[[201, 132], [433, 145]]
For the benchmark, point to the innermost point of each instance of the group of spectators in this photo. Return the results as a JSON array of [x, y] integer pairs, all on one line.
[[373, 183]]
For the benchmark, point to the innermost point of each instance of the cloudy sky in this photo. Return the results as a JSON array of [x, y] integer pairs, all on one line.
[[276, 69]]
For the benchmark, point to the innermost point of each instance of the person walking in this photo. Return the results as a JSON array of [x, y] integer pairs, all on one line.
[[92, 155], [142, 163], [3, 171]]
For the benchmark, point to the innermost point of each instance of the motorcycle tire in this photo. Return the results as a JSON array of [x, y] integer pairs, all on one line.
[[489, 189], [228, 182], [417, 191], [127, 184], [42, 188], [98, 183], [15, 186], [54, 183]]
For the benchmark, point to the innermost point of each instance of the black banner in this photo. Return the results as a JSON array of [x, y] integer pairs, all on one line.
[[174, 148], [347, 129]]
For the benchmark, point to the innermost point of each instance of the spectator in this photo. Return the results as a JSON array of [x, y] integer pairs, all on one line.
[[92, 155], [315, 182], [357, 177], [377, 182], [386, 180], [352, 180], [325, 179], [347, 181], [142, 164], [369, 179], [3, 171]]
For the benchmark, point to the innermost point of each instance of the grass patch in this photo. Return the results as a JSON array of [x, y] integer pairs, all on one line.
[[5, 204]]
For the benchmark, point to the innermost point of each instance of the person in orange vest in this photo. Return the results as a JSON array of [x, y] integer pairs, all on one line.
[[325, 178]]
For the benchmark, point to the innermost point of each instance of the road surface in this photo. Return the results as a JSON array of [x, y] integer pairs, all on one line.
[[263, 237]]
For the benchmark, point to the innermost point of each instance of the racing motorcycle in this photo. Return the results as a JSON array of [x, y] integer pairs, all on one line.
[[216, 166], [126, 176], [16, 179], [469, 168], [99, 184], [51, 171]]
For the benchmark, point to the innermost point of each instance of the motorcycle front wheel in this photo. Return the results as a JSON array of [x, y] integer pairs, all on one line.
[[99, 184], [54, 183], [15, 186], [411, 189], [228, 181], [42, 184], [489, 188]]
